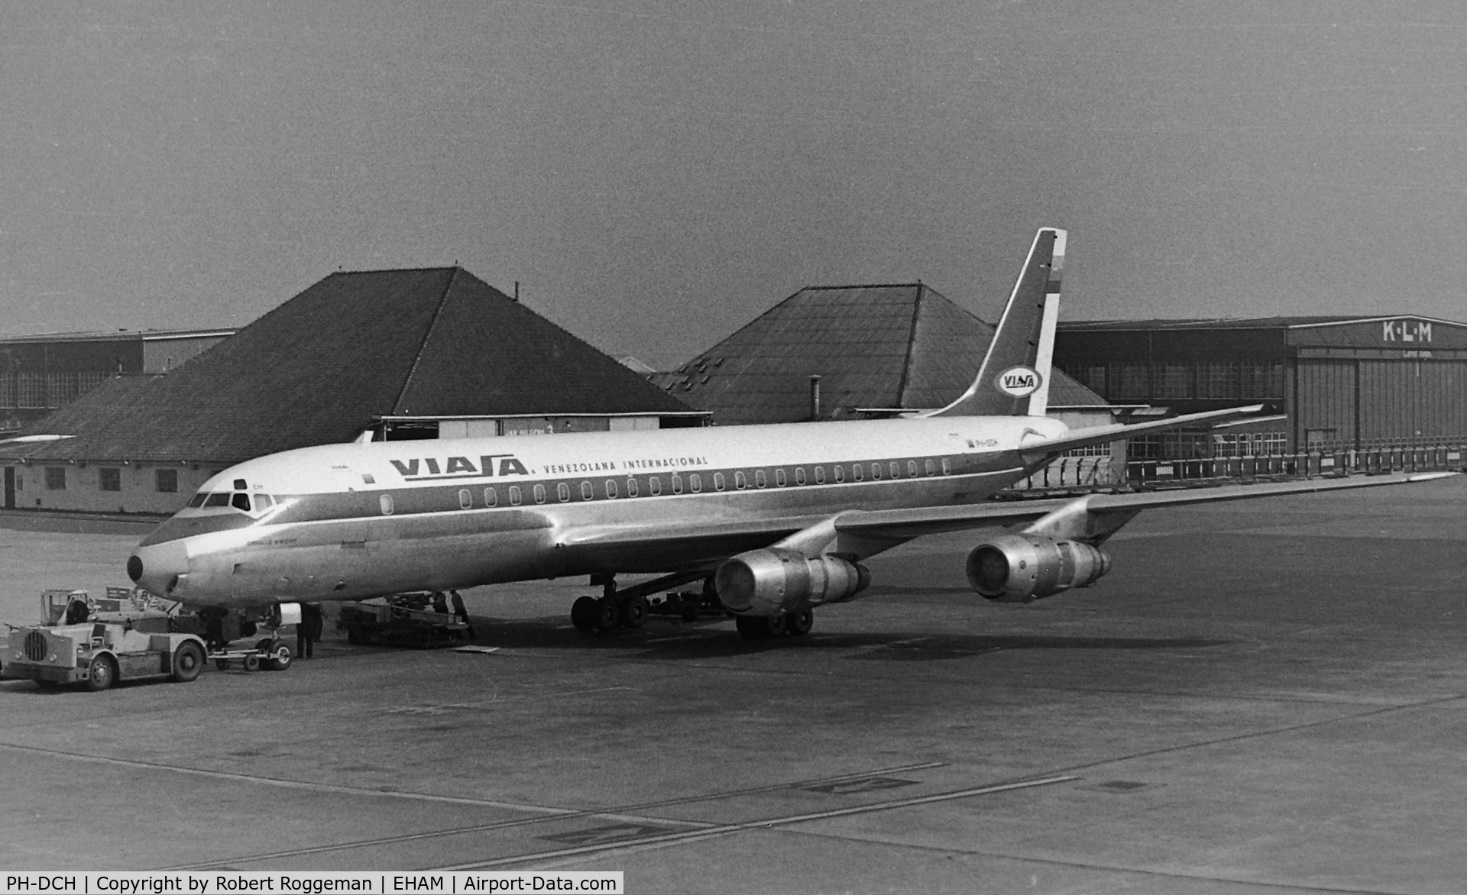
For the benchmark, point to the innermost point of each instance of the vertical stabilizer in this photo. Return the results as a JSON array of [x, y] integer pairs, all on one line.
[[1014, 377]]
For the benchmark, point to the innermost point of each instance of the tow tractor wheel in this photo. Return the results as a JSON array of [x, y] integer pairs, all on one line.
[[188, 661], [606, 613], [583, 613], [252, 662], [101, 674], [278, 655], [798, 624], [634, 612]]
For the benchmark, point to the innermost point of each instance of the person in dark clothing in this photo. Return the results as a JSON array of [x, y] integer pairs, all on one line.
[[308, 631], [462, 613]]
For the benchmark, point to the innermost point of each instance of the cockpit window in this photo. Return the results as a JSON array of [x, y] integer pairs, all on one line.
[[264, 501], [240, 501], [218, 499], [198, 500]]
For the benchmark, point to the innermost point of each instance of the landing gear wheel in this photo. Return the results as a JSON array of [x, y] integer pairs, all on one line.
[[279, 657], [606, 613], [101, 674], [188, 661], [757, 628], [252, 663], [798, 624], [583, 613], [634, 612]]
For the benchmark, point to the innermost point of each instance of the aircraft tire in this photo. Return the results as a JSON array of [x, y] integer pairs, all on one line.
[[188, 661], [634, 612], [798, 624], [606, 613], [583, 613]]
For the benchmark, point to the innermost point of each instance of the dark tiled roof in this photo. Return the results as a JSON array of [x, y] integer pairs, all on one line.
[[353, 347], [890, 346]]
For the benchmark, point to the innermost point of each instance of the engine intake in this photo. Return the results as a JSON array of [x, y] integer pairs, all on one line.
[[774, 581], [1018, 568]]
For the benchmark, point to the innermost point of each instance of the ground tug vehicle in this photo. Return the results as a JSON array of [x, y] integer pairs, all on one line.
[[127, 635]]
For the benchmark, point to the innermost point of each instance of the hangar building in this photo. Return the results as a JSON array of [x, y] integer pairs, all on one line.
[[41, 373], [398, 353], [1328, 383]]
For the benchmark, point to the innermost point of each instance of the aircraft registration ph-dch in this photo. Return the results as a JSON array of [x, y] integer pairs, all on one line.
[[776, 519]]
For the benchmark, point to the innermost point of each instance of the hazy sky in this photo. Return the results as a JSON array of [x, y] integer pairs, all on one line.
[[658, 173]]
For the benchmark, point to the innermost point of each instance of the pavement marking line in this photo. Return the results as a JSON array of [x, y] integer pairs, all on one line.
[[768, 823], [621, 812]]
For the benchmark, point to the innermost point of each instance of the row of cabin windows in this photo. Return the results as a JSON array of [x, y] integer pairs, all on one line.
[[694, 483]]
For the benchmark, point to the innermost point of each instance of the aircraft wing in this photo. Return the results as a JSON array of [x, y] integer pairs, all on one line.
[[909, 523], [1078, 438], [710, 542]]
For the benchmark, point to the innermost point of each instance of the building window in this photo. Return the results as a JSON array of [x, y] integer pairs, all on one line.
[[1217, 379], [55, 478], [1171, 381], [166, 480], [109, 478], [1262, 380], [1130, 381]]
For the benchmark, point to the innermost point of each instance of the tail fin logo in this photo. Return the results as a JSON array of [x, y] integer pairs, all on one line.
[[1018, 382]]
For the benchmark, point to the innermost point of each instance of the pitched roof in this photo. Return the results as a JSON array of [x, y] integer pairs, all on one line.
[[882, 346], [324, 365]]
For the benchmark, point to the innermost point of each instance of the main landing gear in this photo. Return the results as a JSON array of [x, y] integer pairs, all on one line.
[[625, 608], [628, 608], [796, 624]]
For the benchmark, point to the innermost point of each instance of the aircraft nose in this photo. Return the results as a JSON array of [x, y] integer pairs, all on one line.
[[157, 568]]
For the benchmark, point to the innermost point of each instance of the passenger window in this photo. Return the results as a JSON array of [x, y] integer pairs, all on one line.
[[385, 501], [539, 493], [911, 469], [588, 491], [760, 479], [562, 490], [491, 497], [654, 485], [695, 482], [840, 473], [632, 489], [856, 472], [896, 469], [779, 478], [718, 481], [465, 499], [820, 475], [928, 467], [677, 484], [741, 481], [947, 466], [516, 497], [799, 475], [240, 502], [875, 471], [610, 489]]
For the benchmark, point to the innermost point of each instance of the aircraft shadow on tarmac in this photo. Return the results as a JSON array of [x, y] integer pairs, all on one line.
[[716, 639]]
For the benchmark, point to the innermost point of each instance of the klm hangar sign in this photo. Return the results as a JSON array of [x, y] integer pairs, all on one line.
[[1382, 337]]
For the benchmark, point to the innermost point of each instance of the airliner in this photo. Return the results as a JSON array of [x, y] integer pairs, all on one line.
[[774, 519]]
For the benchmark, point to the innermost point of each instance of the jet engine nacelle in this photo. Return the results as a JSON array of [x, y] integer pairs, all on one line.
[[775, 581], [1018, 568]]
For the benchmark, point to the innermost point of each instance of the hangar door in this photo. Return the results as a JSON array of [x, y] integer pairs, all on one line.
[[1365, 401]]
